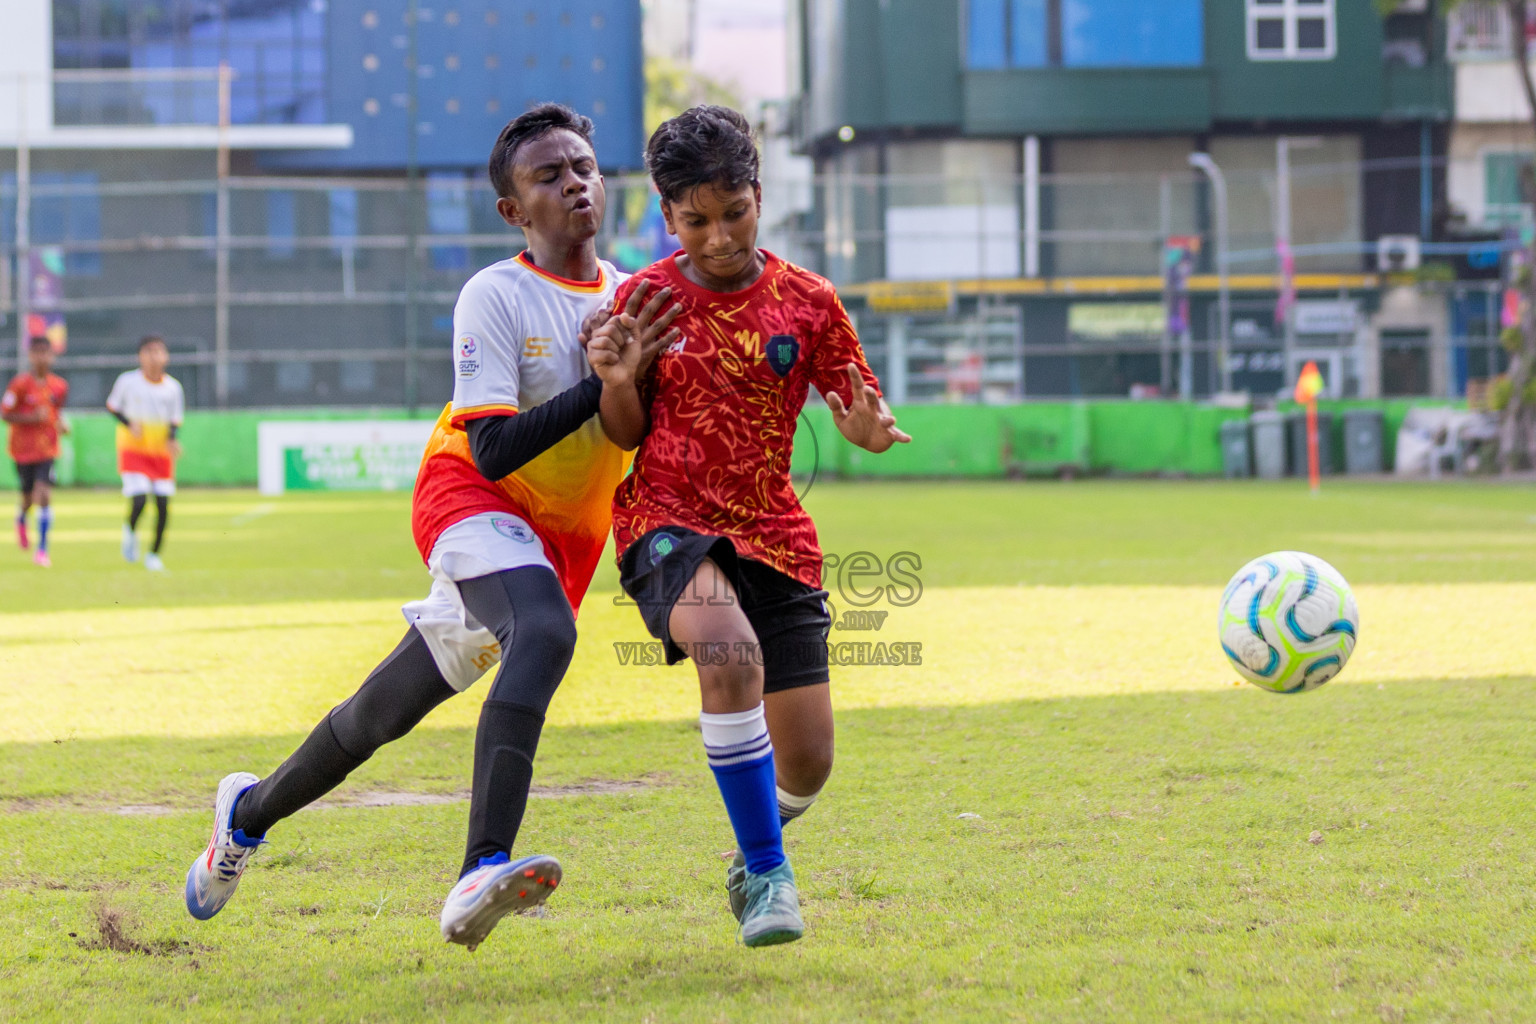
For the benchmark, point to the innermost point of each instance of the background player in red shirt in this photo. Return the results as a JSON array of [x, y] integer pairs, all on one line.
[[713, 542], [32, 405]]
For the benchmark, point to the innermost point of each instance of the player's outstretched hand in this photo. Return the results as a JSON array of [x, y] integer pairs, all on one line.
[[621, 349], [867, 422], [656, 332]]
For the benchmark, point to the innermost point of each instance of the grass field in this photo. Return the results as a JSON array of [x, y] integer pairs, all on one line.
[[1067, 812]]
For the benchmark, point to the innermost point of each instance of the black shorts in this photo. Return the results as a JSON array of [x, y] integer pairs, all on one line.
[[34, 473], [790, 619]]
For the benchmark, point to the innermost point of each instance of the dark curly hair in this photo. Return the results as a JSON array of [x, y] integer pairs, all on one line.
[[705, 145], [538, 122]]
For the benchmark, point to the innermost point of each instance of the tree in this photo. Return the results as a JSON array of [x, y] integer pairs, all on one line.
[[671, 87], [1514, 425]]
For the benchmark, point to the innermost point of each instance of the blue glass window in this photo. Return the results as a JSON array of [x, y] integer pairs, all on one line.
[[448, 214], [1084, 33], [282, 225], [986, 35], [276, 47], [1028, 46], [65, 208], [343, 203], [1132, 33]]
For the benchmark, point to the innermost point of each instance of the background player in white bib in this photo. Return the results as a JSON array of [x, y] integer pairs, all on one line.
[[149, 405], [510, 513]]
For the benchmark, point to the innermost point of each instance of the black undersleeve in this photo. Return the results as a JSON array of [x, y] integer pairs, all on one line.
[[503, 444]]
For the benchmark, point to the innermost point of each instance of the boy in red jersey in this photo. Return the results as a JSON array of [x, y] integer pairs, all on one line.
[[713, 543], [32, 405], [510, 514]]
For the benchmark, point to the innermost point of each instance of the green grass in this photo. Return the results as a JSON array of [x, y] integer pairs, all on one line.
[[1067, 813]]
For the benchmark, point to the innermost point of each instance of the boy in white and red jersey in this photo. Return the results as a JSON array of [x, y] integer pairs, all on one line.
[[510, 513], [148, 404]]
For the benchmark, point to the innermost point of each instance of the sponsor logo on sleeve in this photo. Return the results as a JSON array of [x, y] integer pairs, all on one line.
[[467, 357]]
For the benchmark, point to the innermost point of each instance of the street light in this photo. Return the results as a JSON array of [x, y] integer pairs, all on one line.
[[1203, 163]]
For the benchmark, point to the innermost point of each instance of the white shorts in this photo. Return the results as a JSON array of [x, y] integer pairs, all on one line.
[[483, 544], [135, 484]]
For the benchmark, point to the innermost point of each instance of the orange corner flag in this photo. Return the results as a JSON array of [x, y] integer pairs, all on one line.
[[1309, 385]]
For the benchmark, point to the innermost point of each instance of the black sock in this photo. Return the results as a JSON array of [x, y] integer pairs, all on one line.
[[316, 768], [395, 696], [528, 612], [505, 743], [162, 516], [135, 509]]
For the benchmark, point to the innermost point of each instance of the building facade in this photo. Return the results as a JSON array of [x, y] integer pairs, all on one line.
[[308, 249], [1002, 179]]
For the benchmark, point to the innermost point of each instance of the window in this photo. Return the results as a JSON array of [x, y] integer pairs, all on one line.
[[1084, 33], [357, 376], [66, 207], [343, 211], [282, 225], [276, 47], [1132, 33], [448, 214], [1501, 186], [1291, 30], [294, 378]]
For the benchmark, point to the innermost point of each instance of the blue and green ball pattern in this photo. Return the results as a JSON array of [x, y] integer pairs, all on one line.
[[1288, 622]]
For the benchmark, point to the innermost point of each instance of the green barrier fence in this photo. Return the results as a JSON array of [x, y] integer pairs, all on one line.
[[976, 441]]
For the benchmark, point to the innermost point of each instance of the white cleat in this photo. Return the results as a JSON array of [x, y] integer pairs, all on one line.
[[212, 879], [152, 562], [493, 890], [130, 544]]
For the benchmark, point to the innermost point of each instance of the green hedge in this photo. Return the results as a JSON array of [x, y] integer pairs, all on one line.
[[948, 441]]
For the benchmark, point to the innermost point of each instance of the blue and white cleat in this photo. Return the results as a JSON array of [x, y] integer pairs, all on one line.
[[212, 879], [130, 544], [493, 890], [771, 913]]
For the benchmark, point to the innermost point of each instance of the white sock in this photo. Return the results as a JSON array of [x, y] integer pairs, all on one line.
[[792, 806]]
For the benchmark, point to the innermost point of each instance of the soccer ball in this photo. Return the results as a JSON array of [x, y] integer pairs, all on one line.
[[1288, 622]]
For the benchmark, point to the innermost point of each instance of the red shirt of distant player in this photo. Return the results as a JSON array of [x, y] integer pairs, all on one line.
[[724, 401], [35, 442]]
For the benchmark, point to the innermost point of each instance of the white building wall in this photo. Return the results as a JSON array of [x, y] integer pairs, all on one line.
[[26, 69]]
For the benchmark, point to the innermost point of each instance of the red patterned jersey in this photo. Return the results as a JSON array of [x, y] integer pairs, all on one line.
[[35, 442], [724, 401]]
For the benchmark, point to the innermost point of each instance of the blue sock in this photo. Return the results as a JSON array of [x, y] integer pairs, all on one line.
[[44, 520], [741, 756]]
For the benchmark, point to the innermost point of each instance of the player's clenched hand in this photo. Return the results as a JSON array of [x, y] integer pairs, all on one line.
[[594, 320], [605, 350], [867, 422], [137, 430]]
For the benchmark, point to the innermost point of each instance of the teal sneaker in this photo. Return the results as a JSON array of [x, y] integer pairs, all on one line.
[[736, 884], [772, 911]]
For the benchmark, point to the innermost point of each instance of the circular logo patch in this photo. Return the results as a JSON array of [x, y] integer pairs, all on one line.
[[662, 545], [513, 529]]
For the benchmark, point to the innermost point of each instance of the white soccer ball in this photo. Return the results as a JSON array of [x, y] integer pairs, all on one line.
[[1288, 622]]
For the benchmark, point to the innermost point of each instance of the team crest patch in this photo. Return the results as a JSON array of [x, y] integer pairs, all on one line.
[[783, 350], [513, 529], [467, 359], [662, 545]]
